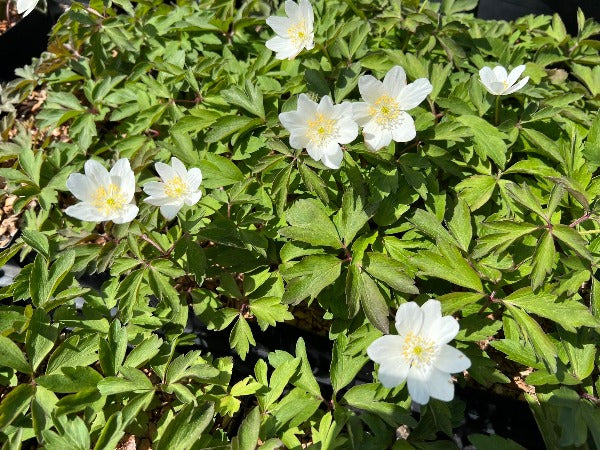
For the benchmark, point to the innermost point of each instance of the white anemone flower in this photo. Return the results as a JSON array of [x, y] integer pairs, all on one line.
[[294, 32], [321, 128], [419, 353], [383, 113], [498, 82], [178, 187], [26, 6], [104, 195]]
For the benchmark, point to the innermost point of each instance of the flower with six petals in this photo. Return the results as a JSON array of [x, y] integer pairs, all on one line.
[[383, 113], [419, 354], [294, 32], [321, 128], [104, 195], [498, 82], [178, 187]]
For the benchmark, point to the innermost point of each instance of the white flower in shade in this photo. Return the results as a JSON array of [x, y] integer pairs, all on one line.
[[178, 187], [294, 32], [383, 113], [498, 82], [419, 353], [104, 195], [321, 128], [26, 6]]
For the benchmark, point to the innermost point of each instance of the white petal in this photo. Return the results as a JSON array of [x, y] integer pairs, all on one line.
[[283, 47], [451, 360], [26, 6], [299, 140], [341, 111], [306, 107], [170, 211], [84, 211], [386, 349], [409, 317], [333, 160], [414, 93], [496, 88], [376, 137], [500, 73], [391, 376], [81, 186], [314, 151], [517, 86], [514, 74], [325, 106], [179, 168], [394, 81], [121, 168], [442, 330], [194, 178], [292, 121], [361, 113], [280, 25], [154, 188], [306, 10], [487, 76], [158, 200], [165, 171], [432, 310], [193, 198], [127, 214], [417, 386], [122, 176], [292, 10], [348, 131], [97, 173], [440, 385], [370, 88], [406, 131]]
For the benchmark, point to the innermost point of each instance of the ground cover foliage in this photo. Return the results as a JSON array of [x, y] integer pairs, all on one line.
[[492, 210]]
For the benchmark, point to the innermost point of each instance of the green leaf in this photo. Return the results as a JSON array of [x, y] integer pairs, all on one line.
[[247, 438], [354, 215], [187, 427], [476, 190], [112, 351], [269, 311], [38, 241], [570, 314], [241, 337], [428, 223], [134, 381], [523, 195], [353, 290], [460, 225], [493, 442], [71, 379], [310, 223], [487, 140], [543, 144], [143, 352], [15, 403], [280, 377], [390, 272], [373, 303], [250, 98], [573, 239], [218, 171], [227, 125], [543, 260], [533, 333], [449, 266], [309, 277], [40, 338], [12, 356], [364, 397]]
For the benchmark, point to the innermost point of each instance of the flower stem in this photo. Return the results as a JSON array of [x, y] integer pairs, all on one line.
[[497, 114]]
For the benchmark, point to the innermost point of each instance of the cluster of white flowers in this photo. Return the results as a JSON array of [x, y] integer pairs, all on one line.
[[108, 195], [321, 128]]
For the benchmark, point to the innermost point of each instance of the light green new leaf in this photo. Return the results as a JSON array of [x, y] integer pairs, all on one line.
[[12, 356], [543, 260], [269, 311], [185, 429], [241, 337], [573, 239], [487, 139], [460, 224]]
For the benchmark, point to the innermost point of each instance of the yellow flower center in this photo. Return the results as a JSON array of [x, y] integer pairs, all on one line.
[[109, 199], [321, 129], [386, 111], [417, 350], [297, 33], [175, 187]]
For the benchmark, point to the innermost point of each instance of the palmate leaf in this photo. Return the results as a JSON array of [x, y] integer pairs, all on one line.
[[310, 223]]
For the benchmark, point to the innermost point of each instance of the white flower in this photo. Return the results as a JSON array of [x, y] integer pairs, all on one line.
[[320, 128], [383, 113], [179, 186], [26, 6], [498, 82], [104, 195], [419, 354], [294, 32]]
